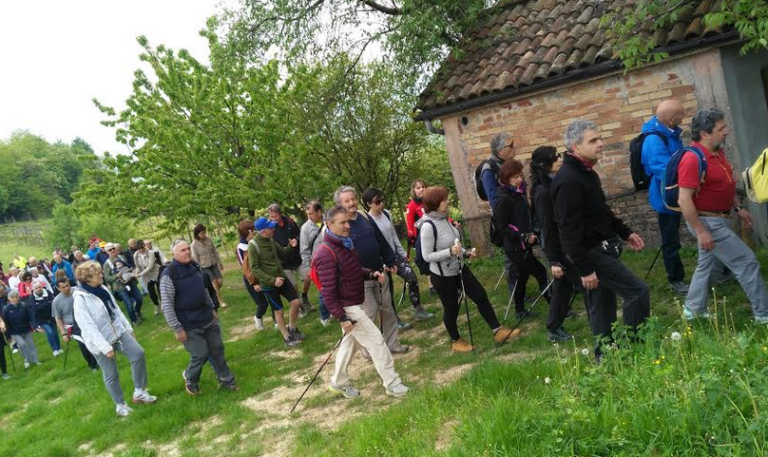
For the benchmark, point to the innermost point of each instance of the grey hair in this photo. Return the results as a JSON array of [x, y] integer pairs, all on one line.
[[704, 121], [334, 211], [13, 294], [498, 142], [574, 134], [342, 190], [176, 243], [274, 208]]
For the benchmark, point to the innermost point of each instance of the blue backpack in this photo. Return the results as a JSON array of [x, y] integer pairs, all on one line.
[[670, 191]]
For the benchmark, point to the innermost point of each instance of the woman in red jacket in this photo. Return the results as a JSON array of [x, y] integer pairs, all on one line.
[[414, 211]]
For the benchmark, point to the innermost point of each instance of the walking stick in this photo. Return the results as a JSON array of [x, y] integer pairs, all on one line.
[[319, 370], [652, 263], [509, 304], [10, 353], [503, 273], [402, 297], [464, 294], [66, 353], [520, 321]]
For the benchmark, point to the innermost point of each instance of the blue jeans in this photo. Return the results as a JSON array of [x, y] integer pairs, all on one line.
[[734, 254], [52, 334], [324, 313], [669, 228], [133, 301]]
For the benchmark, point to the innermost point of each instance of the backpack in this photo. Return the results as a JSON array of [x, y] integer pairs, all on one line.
[[313, 268], [246, 267], [496, 237], [641, 180], [670, 191], [477, 177], [756, 181], [422, 264], [158, 259]]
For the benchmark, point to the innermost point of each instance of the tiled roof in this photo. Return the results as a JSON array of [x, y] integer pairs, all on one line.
[[532, 41]]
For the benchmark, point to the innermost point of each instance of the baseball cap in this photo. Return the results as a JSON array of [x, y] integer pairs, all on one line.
[[102, 244], [263, 223]]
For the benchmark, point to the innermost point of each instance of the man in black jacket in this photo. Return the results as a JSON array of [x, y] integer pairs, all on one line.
[[591, 235], [294, 268]]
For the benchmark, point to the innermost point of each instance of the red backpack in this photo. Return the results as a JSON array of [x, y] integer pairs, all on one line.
[[313, 269]]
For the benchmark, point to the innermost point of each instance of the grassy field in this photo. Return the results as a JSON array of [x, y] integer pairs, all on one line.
[[704, 395]]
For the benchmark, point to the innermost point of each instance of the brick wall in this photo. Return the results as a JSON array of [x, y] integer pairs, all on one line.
[[633, 209]]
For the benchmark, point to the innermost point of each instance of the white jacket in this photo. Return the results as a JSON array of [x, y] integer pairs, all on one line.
[[97, 330]]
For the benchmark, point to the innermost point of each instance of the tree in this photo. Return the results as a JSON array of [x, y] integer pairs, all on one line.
[[631, 29], [416, 35]]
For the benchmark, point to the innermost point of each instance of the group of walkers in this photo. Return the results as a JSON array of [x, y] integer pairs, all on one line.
[[351, 254]]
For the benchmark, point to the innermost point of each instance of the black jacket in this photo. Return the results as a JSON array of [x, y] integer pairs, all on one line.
[[550, 235], [18, 319], [582, 214], [289, 230], [513, 218]]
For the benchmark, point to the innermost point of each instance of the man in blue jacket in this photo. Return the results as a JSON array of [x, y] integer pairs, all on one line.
[[661, 142]]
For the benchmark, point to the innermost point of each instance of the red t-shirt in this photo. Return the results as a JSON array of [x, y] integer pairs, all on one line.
[[719, 188]]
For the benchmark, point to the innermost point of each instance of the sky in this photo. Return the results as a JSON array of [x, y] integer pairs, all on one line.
[[55, 56]]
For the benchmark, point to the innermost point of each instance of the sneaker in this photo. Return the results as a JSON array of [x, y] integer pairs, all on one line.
[[346, 391], [123, 410], [422, 314], [157, 310], [232, 387], [325, 322], [57, 353], [26, 365], [397, 391], [571, 314], [191, 389], [259, 323], [400, 350], [307, 305], [144, 397], [290, 341], [15, 350], [402, 325], [505, 334], [461, 346], [680, 287], [761, 320], [6, 376], [690, 315], [296, 334], [559, 336], [526, 314]]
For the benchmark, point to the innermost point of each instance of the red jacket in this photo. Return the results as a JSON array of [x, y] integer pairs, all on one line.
[[341, 278], [413, 212]]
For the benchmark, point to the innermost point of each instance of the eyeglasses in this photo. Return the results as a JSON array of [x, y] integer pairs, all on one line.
[[510, 145], [378, 202]]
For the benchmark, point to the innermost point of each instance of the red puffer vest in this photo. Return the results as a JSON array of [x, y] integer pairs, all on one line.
[[341, 276]]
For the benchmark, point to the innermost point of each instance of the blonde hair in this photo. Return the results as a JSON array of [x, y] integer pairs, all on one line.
[[87, 271]]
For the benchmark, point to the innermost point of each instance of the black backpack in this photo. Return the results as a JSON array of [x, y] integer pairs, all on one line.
[[641, 180], [422, 264], [496, 237], [479, 182]]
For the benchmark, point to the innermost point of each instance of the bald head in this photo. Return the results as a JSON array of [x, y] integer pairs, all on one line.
[[181, 251], [670, 113]]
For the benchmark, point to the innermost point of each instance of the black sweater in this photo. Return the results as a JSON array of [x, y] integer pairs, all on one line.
[[582, 214], [513, 218], [542, 200]]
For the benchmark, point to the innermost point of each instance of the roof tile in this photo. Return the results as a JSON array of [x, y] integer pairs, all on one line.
[[528, 41]]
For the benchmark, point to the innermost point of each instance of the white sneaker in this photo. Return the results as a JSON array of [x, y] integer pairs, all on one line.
[[259, 323], [26, 365], [56, 353], [6, 376], [347, 391], [397, 391], [325, 322], [15, 350], [144, 397], [123, 410]]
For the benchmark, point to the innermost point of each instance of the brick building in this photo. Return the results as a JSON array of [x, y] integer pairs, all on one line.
[[538, 64]]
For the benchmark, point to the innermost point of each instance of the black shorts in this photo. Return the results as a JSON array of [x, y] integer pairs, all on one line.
[[273, 294]]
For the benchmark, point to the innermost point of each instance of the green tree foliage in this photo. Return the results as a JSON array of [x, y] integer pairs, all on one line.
[[631, 29], [415, 34], [213, 143], [35, 174]]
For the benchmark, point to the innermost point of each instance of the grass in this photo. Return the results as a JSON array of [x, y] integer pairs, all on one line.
[[661, 397]]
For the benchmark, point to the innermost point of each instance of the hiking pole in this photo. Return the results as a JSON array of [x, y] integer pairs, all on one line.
[[66, 353], [520, 321], [10, 353], [653, 263], [402, 297], [320, 369], [464, 293], [514, 288], [503, 273]]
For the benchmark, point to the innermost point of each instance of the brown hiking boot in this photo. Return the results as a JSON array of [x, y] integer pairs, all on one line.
[[505, 334], [461, 346]]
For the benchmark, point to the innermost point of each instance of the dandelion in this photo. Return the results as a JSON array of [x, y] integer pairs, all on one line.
[[765, 348], [585, 352], [547, 380], [676, 336]]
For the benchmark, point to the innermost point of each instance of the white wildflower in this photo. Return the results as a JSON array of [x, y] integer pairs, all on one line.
[[547, 380], [585, 352], [676, 336]]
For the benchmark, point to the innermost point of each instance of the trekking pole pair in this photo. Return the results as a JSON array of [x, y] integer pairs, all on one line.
[[520, 321], [10, 353], [457, 242]]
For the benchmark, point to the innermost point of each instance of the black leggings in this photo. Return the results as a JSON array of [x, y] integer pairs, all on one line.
[[3, 366], [261, 303], [154, 292], [526, 264], [448, 289]]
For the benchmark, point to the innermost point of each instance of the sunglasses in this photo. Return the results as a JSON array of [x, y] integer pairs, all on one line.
[[377, 202]]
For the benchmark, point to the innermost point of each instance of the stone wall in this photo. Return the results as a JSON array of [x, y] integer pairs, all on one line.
[[634, 210]]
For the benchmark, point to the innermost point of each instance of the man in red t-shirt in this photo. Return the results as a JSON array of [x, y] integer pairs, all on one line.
[[707, 208]]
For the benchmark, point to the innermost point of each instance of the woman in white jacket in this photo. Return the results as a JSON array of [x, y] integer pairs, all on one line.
[[105, 330]]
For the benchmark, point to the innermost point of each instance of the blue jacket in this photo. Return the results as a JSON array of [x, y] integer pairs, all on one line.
[[92, 253], [490, 181], [18, 319], [67, 269], [656, 155]]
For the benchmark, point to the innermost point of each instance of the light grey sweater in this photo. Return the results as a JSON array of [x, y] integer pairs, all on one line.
[[310, 233], [384, 222], [439, 254]]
